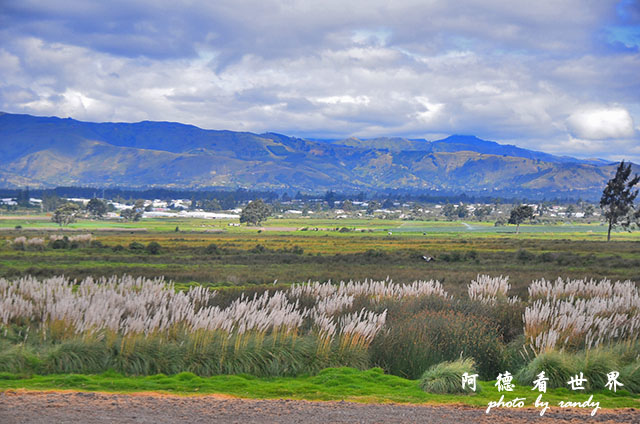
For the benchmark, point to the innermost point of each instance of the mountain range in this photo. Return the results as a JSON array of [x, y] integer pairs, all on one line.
[[50, 151]]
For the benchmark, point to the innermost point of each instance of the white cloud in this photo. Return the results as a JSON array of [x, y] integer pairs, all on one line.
[[603, 123], [515, 71]]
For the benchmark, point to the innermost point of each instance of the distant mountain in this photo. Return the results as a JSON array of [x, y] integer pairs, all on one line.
[[459, 143], [44, 152]]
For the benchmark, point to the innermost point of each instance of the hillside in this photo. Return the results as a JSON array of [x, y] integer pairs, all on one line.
[[49, 151]]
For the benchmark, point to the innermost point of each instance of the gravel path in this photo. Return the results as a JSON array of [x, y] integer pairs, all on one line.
[[20, 407]]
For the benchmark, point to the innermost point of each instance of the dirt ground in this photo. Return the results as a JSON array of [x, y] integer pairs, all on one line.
[[20, 407]]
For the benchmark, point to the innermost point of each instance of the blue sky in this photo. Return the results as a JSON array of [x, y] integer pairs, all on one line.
[[562, 76]]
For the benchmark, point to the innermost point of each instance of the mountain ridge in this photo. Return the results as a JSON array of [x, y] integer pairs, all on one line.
[[48, 151]]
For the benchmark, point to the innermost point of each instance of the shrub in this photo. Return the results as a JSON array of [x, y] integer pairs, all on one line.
[[596, 364], [58, 242], [630, 377], [76, 356], [136, 246], [446, 377], [212, 249], [430, 337], [117, 248], [96, 244], [558, 368], [524, 255], [258, 249], [153, 248]]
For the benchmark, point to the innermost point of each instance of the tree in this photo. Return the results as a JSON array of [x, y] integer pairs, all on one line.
[[461, 212], [330, 198], [618, 196], [66, 214], [96, 208], [449, 211], [131, 214], [51, 202], [372, 206], [588, 210], [255, 212], [23, 198], [570, 211], [347, 206], [519, 214], [210, 205]]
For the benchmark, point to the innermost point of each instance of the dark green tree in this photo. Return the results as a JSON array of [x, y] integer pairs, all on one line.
[[588, 210], [131, 214], [255, 212], [519, 214], [449, 211], [330, 198], [618, 196], [66, 214], [570, 211], [347, 206], [51, 202], [23, 198], [372, 206], [96, 208], [210, 205], [461, 212]]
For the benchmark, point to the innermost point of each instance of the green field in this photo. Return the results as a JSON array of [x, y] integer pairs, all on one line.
[[376, 249]]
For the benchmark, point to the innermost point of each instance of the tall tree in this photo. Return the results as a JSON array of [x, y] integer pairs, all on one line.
[[96, 208], [131, 214], [255, 212], [618, 196], [519, 214], [66, 214]]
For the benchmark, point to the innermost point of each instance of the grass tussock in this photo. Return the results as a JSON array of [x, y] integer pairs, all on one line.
[[446, 377]]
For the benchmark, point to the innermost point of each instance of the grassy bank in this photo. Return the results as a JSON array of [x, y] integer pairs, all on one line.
[[331, 384]]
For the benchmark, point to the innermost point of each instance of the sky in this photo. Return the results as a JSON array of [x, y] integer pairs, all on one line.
[[561, 76]]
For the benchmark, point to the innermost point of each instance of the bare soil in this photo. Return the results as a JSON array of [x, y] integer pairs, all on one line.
[[23, 406]]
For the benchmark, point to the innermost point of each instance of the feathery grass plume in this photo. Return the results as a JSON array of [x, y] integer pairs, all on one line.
[[357, 330], [446, 377], [558, 368], [35, 243], [487, 289], [19, 243], [369, 288], [581, 315], [81, 239], [148, 326]]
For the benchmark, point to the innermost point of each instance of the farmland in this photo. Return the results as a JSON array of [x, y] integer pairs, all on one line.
[[214, 254]]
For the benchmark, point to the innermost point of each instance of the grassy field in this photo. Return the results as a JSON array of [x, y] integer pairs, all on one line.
[[245, 259], [282, 251], [330, 384]]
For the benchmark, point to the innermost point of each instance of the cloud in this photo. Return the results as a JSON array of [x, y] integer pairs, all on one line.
[[599, 124], [515, 71]]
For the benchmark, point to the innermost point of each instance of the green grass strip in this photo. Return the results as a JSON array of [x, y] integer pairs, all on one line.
[[370, 386]]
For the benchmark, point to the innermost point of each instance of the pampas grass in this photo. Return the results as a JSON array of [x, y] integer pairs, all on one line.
[[148, 327]]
